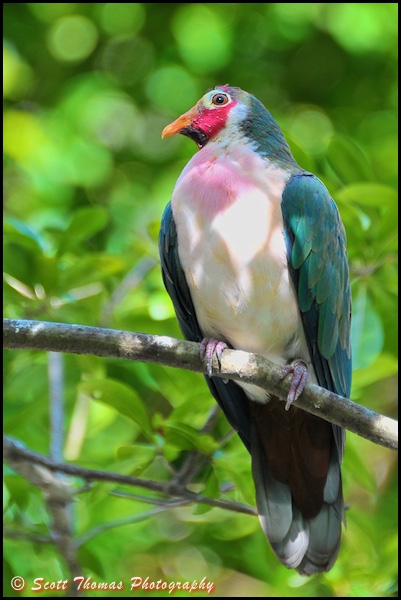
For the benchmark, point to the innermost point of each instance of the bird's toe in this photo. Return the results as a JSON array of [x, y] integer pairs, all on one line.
[[299, 379], [208, 348]]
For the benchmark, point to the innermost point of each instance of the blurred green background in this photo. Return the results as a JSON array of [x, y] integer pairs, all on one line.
[[87, 91]]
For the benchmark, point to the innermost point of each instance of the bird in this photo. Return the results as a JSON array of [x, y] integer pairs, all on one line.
[[253, 255]]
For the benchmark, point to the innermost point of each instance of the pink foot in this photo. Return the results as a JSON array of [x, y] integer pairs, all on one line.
[[209, 347], [299, 379]]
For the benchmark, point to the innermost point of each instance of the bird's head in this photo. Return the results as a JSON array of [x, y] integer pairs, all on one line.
[[227, 114], [215, 111]]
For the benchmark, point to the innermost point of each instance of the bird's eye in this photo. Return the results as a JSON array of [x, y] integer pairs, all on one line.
[[219, 99]]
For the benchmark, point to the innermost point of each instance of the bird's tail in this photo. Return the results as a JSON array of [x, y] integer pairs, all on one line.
[[306, 542]]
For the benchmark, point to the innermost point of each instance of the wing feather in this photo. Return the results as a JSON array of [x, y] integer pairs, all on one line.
[[321, 279]]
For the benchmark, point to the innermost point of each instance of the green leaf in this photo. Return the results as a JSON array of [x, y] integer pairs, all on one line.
[[90, 268], [235, 527], [89, 561], [356, 466], [235, 467], [367, 334], [8, 574], [211, 490], [121, 397], [17, 488], [17, 231], [85, 223], [186, 437], [386, 365], [137, 458], [348, 160], [144, 373], [386, 239], [368, 194], [170, 452]]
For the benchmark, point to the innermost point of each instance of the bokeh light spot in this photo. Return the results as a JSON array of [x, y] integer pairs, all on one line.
[[119, 17], [373, 27], [311, 128], [22, 135], [110, 118], [72, 38], [127, 60], [172, 88], [204, 39], [48, 11], [293, 19], [17, 75]]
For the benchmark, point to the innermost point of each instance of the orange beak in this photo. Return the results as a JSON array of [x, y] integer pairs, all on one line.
[[184, 120]]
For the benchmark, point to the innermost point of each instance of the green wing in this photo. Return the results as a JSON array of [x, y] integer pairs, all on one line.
[[318, 265]]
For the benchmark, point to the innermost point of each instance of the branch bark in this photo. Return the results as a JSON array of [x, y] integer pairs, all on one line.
[[235, 365]]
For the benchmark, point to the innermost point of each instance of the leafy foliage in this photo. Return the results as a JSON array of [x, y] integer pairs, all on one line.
[[88, 89]]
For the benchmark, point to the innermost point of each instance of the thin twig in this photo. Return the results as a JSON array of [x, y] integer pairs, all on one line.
[[27, 536], [14, 452]]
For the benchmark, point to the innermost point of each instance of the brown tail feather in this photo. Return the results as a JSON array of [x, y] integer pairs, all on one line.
[[298, 447]]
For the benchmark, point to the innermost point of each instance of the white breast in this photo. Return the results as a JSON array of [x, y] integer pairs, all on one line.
[[232, 249]]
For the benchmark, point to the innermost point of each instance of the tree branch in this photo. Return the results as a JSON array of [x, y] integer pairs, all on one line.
[[17, 456], [235, 365]]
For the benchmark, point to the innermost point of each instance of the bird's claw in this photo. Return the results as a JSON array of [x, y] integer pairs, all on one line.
[[299, 378], [208, 348]]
